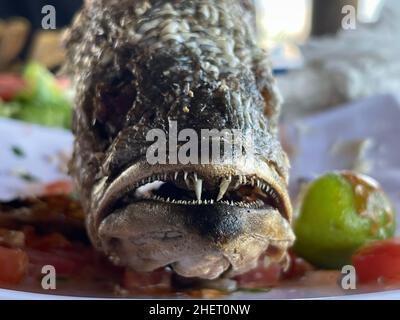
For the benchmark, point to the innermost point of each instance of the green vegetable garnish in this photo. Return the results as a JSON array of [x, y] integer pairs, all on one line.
[[9, 109], [340, 213], [17, 151], [41, 102], [27, 177]]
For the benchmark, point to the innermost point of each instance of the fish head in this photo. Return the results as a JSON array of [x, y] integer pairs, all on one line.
[[177, 159]]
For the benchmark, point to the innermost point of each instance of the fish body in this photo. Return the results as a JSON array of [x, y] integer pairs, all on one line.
[[142, 65]]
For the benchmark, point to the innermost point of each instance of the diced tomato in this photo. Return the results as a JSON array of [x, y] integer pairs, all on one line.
[[66, 262], [50, 241], [298, 267], [140, 280], [56, 250], [13, 265], [45, 242], [62, 265], [260, 277], [378, 262], [58, 187], [10, 86]]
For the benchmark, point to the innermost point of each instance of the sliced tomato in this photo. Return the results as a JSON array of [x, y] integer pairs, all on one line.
[[260, 277], [13, 265], [10, 86], [378, 262]]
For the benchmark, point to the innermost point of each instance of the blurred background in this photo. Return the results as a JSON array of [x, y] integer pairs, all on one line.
[[318, 63], [279, 21]]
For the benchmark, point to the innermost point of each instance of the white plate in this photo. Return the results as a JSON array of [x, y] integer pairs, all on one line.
[[376, 119], [43, 149]]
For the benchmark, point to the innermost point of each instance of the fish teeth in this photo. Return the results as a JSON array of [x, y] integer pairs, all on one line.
[[223, 187], [198, 186], [238, 182], [187, 181], [195, 183]]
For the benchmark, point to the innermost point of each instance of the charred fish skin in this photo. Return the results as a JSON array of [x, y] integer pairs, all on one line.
[[138, 65]]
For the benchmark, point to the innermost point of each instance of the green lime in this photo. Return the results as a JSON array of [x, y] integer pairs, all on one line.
[[339, 213]]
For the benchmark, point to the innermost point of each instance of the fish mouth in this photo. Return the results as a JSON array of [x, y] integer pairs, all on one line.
[[195, 185], [200, 219]]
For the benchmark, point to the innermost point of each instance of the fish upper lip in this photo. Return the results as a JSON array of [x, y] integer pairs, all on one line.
[[141, 172]]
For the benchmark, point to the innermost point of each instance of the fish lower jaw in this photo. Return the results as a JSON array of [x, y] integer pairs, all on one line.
[[242, 204]]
